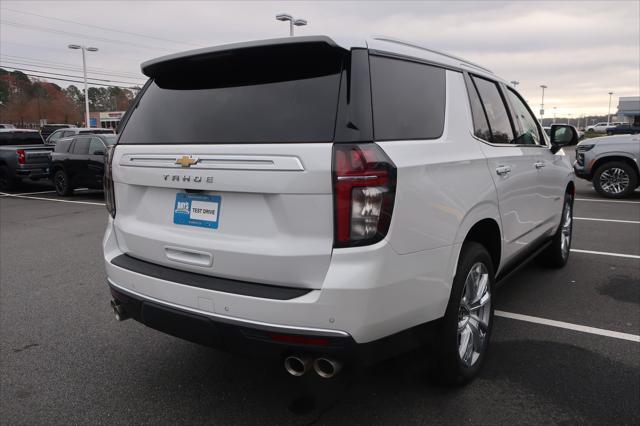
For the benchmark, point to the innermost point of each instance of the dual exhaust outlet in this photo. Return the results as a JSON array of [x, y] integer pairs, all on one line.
[[324, 367]]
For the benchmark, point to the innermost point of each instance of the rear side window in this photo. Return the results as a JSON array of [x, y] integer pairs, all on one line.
[[63, 145], [481, 127], [96, 147], [408, 99], [20, 138], [81, 147], [280, 93], [496, 110]]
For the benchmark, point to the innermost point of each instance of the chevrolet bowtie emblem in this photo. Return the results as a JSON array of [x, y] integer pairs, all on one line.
[[187, 161]]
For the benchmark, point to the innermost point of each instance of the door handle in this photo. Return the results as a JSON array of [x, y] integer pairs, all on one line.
[[539, 164], [503, 170]]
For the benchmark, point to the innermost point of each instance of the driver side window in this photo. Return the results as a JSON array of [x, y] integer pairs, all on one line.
[[529, 133]]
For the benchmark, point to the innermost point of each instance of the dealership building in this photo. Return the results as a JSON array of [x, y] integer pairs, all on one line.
[[629, 109], [106, 120]]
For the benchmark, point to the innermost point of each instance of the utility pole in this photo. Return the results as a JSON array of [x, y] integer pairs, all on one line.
[[609, 112], [292, 21], [84, 71], [542, 103]]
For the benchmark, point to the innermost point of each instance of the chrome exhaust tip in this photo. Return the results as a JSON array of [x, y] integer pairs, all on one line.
[[326, 367], [296, 366], [118, 311]]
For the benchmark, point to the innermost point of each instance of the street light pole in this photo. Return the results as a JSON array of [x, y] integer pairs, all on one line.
[[84, 72], [609, 112], [515, 83], [554, 115], [542, 103], [292, 21]]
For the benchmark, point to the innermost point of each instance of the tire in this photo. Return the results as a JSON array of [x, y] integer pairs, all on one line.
[[474, 280], [557, 253], [61, 183], [7, 182], [615, 179]]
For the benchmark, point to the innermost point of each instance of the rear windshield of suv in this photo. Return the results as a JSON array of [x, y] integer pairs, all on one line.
[[283, 93], [20, 138]]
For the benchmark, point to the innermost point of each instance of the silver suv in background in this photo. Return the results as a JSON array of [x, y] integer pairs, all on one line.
[[611, 163]]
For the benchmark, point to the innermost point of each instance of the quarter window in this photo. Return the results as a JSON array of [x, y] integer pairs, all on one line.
[[96, 145], [480, 125], [529, 133], [408, 99], [501, 131]]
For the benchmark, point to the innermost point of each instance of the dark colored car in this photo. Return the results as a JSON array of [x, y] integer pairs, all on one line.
[[79, 162], [47, 129], [624, 129]]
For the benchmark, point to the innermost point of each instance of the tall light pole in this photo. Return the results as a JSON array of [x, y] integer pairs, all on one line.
[[84, 70], [609, 112], [515, 83], [292, 21], [542, 103], [554, 115]]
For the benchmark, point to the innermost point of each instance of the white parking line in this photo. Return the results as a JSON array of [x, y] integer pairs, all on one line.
[[4, 194], [607, 220], [569, 326], [595, 200], [606, 253], [51, 199]]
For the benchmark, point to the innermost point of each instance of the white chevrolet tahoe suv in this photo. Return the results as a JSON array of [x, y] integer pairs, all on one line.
[[330, 203]]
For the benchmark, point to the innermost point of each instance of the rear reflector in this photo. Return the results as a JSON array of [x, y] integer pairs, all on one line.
[[298, 339], [364, 185]]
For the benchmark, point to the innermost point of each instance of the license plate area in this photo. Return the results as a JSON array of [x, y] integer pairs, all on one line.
[[197, 210]]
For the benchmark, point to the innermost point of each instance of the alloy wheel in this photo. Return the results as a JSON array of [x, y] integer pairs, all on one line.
[[474, 314], [567, 224], [61, 183], [614, 180]]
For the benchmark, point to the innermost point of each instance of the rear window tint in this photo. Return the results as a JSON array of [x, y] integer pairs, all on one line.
[[20, 138], [269, 94], [408, 99]]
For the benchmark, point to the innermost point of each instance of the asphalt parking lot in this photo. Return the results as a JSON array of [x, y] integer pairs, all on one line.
[[66, 360]]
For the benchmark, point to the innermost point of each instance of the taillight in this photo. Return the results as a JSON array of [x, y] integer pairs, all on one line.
[[21, 156], [364, 186], [109, 195]]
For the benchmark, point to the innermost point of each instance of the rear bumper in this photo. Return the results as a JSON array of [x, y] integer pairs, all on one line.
[[370, 296], [265, 340], [34, 172]]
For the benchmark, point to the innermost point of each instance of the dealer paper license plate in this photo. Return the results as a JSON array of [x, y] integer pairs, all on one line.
[[197, 210]]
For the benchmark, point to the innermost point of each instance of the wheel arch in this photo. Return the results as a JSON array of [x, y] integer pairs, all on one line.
[[482, 224], [486, 232], [617, 157]]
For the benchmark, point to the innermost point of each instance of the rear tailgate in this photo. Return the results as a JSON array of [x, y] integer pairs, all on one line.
[[36, 155], [275, 220]]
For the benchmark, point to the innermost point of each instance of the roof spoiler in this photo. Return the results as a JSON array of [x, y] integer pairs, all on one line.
[[150, 68]]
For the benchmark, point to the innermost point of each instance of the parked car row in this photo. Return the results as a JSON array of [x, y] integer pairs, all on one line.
[[601, 127], [72, 161]]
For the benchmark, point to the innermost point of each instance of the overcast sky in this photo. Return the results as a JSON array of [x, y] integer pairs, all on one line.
[[580, 49]]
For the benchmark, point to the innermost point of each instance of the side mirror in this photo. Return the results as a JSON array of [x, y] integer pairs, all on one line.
[[562, 135]]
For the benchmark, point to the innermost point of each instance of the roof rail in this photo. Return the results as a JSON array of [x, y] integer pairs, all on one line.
[[438, 52]]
